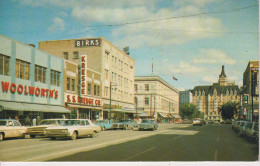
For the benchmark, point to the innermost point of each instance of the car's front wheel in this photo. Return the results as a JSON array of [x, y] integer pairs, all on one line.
[[1, 136], [94, 135], [73, 136], [32, 136]]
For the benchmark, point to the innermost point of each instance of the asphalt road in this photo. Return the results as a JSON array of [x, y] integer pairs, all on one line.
[[171, 142]]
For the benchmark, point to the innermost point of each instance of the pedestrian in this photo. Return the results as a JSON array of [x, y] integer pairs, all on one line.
[[17, 118], [28, 121], [38, 120], [34, 121]]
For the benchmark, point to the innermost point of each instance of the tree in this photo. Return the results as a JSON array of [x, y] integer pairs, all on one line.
[[228, 110], [189, 111]]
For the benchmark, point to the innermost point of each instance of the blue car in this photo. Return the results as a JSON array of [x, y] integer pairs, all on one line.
[[124, 124], [104, 124]]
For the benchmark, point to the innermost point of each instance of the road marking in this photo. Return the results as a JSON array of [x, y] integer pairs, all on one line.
[[216, 155], [88, 148], [140, 153]]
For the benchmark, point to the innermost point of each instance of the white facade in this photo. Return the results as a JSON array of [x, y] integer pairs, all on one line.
[[155, 96]]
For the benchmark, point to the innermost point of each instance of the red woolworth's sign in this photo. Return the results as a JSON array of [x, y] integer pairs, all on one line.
[[83, 100], [28, 90]]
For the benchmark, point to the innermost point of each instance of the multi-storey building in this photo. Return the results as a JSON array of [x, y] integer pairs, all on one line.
[[156, 98], [109, 68], [185, 97], [209, 98], [250, 91], [31, 82]]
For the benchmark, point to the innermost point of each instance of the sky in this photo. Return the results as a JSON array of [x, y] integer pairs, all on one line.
[[187, 39]]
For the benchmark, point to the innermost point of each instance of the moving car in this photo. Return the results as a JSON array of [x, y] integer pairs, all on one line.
[[124, 124], [148, 124], [39, 130], [197, 122], [104, 124], [253, 133], [10, 128], [73, 128], [239, 125]]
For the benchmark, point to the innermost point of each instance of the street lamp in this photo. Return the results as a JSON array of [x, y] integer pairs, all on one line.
[[110, 100]]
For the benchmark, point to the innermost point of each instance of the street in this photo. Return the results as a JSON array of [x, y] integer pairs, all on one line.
[[171, 142]]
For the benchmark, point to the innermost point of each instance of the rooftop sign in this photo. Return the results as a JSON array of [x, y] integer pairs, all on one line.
[[87, 42]]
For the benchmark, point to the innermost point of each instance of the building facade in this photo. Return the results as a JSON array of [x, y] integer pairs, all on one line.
[[185, 97], [209, 98], [155, 98], [250, 92], [31, 82], [109, 70]]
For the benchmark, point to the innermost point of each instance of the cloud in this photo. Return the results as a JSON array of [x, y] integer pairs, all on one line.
[[210, 79], [58, 25], [213, 56]]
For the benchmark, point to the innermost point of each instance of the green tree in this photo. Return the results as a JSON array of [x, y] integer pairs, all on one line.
[[189, 111], [228, 110]]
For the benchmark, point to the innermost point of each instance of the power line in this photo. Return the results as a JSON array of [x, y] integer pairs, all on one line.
[[174, 17]]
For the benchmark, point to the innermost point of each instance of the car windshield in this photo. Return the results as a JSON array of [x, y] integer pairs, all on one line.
[[48, 122], [3, 123], [147, 121], [71, 122]]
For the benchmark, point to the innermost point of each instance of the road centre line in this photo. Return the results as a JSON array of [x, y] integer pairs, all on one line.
[[88, 148], [140, 153], [216, 155]]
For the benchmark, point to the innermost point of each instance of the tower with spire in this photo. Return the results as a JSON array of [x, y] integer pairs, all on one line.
[[222, 77]]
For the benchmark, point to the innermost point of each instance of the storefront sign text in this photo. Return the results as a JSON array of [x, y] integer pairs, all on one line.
[[29, 90], [83, 75], [87, 42], [83, 100]]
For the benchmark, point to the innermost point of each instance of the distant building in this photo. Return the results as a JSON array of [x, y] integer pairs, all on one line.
[[252, 71], [209, 98], [185, 97], [155, 98]]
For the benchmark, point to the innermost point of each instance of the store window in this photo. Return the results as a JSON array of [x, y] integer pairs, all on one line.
[[146, 87], [76, 55], [22, 69], [146, 101], [40, 74], [89, 88], [4, 65], [66, 55], [68, 83], [106, 72], [55, 78], [73, 84]]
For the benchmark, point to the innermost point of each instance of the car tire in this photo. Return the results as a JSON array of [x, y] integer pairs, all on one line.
[[104, 128], [32, 136], [23, 136], [53, 138], [94, 135], [73, 136], [1, 136]]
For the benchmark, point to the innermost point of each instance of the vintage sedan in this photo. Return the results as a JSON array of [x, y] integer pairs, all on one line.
[[73, 128], [10, 128], [39, 130], [252, 133], [104, 124], [197, 122], [148, 124], [124, 124]]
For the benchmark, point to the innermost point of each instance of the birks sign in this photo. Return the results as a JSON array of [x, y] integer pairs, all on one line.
[[83, 80], [87, 42], [28, 90]]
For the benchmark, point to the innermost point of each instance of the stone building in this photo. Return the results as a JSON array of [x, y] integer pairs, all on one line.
[[109, 68], [155, 98], [209, 98]]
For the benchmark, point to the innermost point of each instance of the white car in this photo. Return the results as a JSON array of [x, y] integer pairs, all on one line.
[[73, 128], [197, 122], [10, 128]]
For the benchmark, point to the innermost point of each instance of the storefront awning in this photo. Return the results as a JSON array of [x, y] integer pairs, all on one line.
[[144, 114], [120, 110], [176, 116], [84, 106], [16, 106], [165, 115]]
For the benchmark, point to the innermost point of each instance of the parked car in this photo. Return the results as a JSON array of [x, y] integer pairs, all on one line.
[[10, 128], [39, 130], [237, 123], [148, 124], [124, 124], [197, 122], [239, 126], [252, 133], [104, 124], [242, 129], [73, 128]]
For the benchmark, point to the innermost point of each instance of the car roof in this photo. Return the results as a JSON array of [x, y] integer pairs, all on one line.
[[8, 119]]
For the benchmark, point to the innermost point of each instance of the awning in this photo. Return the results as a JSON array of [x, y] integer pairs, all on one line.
[[120, 110], [144, 114], [176, 116], [165, 115], [84, 106], [16, 106]]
